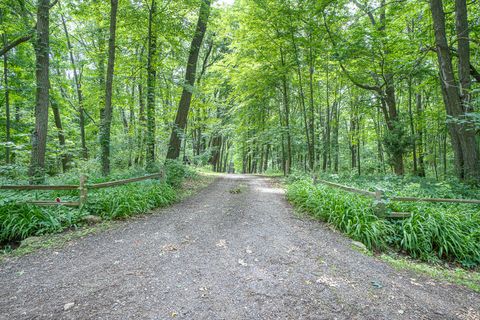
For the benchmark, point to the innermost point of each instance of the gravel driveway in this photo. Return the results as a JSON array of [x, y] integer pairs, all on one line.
[[235, 250]]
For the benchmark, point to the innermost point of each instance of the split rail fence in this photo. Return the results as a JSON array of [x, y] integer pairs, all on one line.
[[82, 188], [381, 199]]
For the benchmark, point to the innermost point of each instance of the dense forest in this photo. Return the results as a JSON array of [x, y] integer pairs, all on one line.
[[349, 86]]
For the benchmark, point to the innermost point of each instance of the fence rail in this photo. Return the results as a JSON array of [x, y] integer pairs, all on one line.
[[38, 187], [124, 181], [410, 199], [380, 198], [346, 188], [82, 188]]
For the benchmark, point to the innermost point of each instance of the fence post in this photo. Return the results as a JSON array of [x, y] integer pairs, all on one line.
[[379, 203], [83, 190]]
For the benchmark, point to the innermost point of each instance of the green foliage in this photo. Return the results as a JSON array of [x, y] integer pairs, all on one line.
[[407, 186], [396, 141], [19, 221], [348, 213], [176, 172], [432, 233], [127, 200]]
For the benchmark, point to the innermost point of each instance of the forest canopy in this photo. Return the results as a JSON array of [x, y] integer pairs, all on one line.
[[350, 86]]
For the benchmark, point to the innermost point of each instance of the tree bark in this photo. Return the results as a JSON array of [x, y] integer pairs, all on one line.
[[107, 111], [467, 160], [65, 158], [310, 148], [7, 104], [336, 147], [39, 135], [412, 127], [151, 76], [286, 105], [421, 162], [184, 105]]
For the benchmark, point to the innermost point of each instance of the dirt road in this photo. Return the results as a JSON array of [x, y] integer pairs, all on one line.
[[236, 250]]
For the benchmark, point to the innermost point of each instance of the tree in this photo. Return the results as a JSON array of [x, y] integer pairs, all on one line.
[[107, 111], [7, 105], [456, 94], [39, 135], [151, 77], [78, 87], [190, 73]]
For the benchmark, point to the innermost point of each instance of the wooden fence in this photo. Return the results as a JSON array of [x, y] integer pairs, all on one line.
[[82, 188], [381, 199]]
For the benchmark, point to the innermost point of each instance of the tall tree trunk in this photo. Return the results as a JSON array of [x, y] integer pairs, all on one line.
[[107, 111], [336, 148], [420, 121], [312, 105], [65, 158], [78, 87], [184, 105], [142, 124], [412, 127], [353, 141], [286, 105], [39, 136], [151, 76], [267, 154], [467, 160], [396, 132], [444, 154], [101, 70], [359, 145], [353, 132], [310, 149], [7, 104], [282, 141], [435, 164], [326, 124]]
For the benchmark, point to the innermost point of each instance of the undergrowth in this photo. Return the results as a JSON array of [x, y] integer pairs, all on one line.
[[19, 220], [432, 232]]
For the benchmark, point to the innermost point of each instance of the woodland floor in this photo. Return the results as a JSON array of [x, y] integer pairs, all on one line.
[[236, 250]]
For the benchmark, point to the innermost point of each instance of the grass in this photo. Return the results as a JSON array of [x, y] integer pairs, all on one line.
[[130, 199], [21, 221], [432, 233], [460, 276], [346, 212]]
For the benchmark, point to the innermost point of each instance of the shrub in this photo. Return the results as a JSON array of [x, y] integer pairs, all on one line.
[[348, 213], [176, 172], [126, 200], [431, 233], [19, 221]]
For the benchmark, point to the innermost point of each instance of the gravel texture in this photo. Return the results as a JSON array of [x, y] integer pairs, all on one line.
[[236, 250]]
